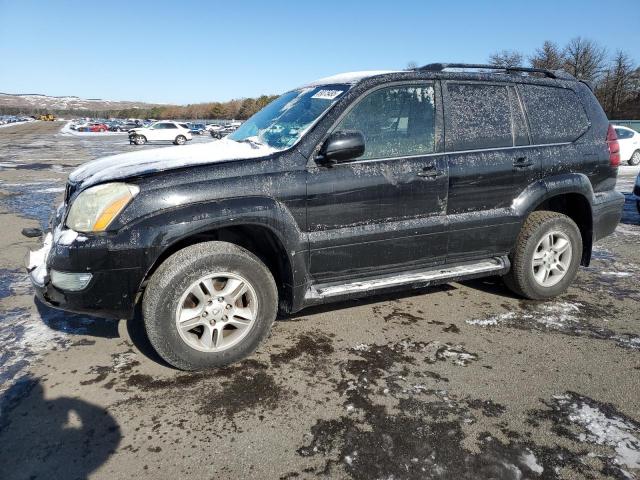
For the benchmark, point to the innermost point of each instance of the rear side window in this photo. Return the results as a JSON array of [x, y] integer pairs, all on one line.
[[621, 133], [478, 116], [555, 114], [395, 121]]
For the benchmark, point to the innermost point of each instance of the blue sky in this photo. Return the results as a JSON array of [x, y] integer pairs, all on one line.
[[195, 51]]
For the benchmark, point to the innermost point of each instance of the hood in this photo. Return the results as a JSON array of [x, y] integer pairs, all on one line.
[[118, 167]]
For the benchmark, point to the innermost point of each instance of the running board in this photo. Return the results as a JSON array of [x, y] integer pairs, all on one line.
[[420, 278]]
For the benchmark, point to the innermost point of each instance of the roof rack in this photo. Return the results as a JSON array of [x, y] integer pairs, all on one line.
[[438, 67]]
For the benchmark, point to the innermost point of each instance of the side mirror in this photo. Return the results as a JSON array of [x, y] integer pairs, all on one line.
[[341, 146]]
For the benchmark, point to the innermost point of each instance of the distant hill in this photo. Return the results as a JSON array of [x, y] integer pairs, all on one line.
[[33, 103], [30, 102]]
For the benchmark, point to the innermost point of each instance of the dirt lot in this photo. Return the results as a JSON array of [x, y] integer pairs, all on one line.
[[459, 381]]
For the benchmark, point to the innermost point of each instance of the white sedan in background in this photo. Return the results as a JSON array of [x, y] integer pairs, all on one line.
[[162, 131], [629, 141]]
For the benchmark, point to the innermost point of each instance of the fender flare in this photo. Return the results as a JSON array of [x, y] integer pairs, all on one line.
[[544, 189]]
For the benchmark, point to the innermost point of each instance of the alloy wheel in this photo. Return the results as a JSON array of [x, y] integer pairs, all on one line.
[[551, 259], [216, 312]]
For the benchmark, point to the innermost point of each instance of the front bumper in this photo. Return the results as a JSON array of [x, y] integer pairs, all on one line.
[[111, 292]]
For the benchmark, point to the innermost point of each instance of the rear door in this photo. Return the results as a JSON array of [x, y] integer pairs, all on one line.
[[486, 140], [384, 211]]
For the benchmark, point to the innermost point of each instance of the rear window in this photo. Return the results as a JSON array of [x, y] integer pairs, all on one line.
[[478, 116], [621, 133], [555, 114]]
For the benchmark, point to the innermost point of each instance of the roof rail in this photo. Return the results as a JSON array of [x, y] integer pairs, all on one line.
[[438, 67]]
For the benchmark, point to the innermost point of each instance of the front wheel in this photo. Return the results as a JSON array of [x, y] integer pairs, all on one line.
[[635, 158], [546, 257], [139, 140], [180, 140], [209, 305]]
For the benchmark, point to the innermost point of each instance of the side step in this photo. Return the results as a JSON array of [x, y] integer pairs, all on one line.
[[419, 278]]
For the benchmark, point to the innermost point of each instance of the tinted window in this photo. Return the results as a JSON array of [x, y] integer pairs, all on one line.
[[621, 133], [555, 114], [478, 116], [170, 125], [395, 121]]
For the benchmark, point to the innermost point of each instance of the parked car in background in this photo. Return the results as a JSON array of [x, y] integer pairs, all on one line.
[[128, 126], [93, 127], [223, 131], [629, 141], [162, 131], [197, 128]]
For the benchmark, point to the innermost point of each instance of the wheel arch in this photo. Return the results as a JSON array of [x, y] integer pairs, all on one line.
[[569, 194], [258, 238], [575, 206]]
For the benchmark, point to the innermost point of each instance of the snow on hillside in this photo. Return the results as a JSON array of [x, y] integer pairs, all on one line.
[[45, 102]]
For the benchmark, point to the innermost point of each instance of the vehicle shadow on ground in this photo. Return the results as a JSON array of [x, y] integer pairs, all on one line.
[[493, 285], [138, 336], [75, 324], [59, 438]]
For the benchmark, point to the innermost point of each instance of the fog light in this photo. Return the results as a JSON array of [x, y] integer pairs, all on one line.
[[69, 281]]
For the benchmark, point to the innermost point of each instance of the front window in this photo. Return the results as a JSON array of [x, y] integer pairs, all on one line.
[[395, 121], [281, 123]]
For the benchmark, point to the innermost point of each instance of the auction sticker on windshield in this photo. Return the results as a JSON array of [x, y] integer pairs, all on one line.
[[327, 94]]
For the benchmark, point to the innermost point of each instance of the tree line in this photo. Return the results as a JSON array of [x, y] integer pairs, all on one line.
[[615, 77]]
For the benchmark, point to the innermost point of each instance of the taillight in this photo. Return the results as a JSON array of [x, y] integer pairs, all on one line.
[[614, 147]]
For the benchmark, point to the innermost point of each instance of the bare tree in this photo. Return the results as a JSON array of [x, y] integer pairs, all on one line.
[[620, 83], [506, 58], [549, 57], [584, 59]]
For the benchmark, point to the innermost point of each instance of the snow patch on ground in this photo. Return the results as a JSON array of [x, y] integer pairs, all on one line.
[[8, 125], [617, 274], [604, 429], [553, 315]]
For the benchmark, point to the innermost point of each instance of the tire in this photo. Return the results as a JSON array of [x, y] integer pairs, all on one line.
[[180, 140], [531, 281], [635, 158], [168, 295], [140, 140]]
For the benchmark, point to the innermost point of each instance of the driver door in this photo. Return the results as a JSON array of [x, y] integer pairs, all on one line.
[[154, 132], [386, 210]]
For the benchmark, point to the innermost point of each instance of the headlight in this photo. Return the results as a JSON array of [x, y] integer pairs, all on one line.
[[95, 208]]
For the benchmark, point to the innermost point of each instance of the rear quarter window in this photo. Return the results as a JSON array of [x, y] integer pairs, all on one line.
[[555, 114]]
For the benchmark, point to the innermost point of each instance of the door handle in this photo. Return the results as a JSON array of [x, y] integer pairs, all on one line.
[[522, 162], [429, 171]]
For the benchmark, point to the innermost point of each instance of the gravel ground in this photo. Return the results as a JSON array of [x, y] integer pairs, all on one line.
[[462, 381]]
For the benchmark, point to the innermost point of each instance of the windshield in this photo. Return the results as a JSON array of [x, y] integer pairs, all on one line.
[[281, 123]]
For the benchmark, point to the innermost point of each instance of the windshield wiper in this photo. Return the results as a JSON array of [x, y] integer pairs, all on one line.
[[254, 141]]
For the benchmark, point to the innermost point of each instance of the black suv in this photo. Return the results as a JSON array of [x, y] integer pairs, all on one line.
[[351, 185]]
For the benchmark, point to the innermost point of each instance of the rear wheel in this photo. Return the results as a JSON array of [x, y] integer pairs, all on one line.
[[180, 140], [209, 305], [635, 158], [546, 257], [139, 140]]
